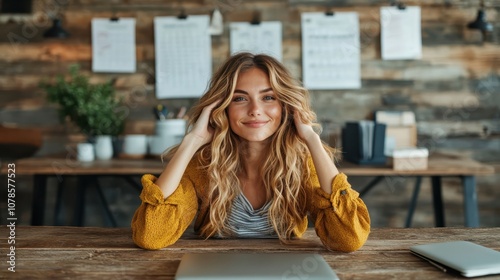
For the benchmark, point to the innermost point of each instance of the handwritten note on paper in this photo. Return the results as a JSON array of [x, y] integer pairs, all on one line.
[[183, 56], [265, 37], [330, 51], [400, 33], [113, 45]]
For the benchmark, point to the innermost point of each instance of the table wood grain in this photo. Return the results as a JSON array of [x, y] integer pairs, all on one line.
[[439, 165], [109, 253]]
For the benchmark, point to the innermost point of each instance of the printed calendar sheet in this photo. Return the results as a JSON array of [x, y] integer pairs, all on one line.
[[331, 51], [265, 37], [183, 56]]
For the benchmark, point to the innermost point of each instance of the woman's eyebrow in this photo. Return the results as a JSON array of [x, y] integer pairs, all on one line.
[[240, 91], [260, 91]]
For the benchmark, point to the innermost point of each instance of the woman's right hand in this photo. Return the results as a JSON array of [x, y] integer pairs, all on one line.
[[202, 132]]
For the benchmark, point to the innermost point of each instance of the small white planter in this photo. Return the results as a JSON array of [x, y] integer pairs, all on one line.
[[103, 147]]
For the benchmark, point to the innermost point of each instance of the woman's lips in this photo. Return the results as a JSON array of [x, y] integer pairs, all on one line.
[[255, 124]]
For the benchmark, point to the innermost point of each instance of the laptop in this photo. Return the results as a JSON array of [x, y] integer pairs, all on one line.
[[464, 257], [246, 266]]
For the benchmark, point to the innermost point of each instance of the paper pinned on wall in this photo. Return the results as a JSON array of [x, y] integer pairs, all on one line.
[[331, 51], [400, 35], [265, 37], [183, 53], [113, 45]]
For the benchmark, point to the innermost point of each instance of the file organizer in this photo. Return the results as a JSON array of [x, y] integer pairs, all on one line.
[[363, 142]]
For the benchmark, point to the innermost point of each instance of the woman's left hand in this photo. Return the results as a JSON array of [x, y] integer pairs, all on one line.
[[304, 130]]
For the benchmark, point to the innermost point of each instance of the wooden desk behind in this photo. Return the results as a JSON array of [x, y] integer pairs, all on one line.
[[109, 253], [439, 166]]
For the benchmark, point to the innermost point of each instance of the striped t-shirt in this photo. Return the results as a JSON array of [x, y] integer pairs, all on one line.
[[244, 221]]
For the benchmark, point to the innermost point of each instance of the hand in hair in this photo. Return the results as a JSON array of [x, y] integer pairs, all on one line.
[[201, 134], [202, 130], [305, 130]]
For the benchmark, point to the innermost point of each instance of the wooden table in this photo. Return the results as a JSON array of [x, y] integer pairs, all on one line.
[[439, 166], [109, 253]]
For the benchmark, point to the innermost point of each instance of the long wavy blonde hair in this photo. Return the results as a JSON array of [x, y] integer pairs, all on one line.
[[285, 171]]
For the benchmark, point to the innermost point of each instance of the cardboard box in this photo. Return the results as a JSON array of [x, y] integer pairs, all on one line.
[[409, 159], [401, 131], [395, 118], [404, 136]]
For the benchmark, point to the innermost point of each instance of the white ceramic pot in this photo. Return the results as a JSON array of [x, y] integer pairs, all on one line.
[[103, 147], [168, 133], [85, 152], [135, 145]]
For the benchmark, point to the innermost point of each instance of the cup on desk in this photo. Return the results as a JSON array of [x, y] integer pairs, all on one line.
[[169, 132], [160, 143], [171, 127], [85, 152], [135, 145]]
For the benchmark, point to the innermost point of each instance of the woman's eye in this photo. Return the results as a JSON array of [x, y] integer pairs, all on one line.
[[269, 97], [238, 98]]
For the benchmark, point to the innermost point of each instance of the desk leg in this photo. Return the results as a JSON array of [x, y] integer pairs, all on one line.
[[470, 201], [370, 185], [59, 202], [413, 203], [104, 202], [83, 182], [137, 186], [38, 201], [437, 198]]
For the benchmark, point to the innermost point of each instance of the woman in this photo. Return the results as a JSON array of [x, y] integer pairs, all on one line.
[[251, 165]]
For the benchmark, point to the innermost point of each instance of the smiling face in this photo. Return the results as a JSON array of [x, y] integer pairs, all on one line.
[[254, 112]]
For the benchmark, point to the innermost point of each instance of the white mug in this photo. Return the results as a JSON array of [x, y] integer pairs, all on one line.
[[135, 144], [169, 132], [159, 144], [169, 127], [85, 152]]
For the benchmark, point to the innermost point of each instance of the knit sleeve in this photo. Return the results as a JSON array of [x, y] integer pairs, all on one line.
[[158, 222], [341, 219]]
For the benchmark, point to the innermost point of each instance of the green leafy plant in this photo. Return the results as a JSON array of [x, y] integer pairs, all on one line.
[[94, 108]]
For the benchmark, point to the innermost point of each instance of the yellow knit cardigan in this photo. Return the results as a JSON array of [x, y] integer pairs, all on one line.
[[341, 219]]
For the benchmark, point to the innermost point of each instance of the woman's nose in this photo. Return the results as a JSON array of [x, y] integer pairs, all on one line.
[[254, 109]]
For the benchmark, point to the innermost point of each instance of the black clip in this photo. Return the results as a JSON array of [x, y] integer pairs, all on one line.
[[114, 17], [182, 14], [256, 18], [400, 5]]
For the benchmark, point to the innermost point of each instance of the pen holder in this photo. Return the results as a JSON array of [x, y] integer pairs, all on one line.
[[171, 127], [168, 132]]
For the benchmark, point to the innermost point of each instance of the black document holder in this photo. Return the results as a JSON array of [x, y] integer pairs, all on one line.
[[352, 144]]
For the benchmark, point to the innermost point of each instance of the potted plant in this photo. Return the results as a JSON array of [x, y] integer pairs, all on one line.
[[94, 108]]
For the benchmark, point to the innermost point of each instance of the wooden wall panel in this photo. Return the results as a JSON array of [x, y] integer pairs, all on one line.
[[458, 63], [454, 89]]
